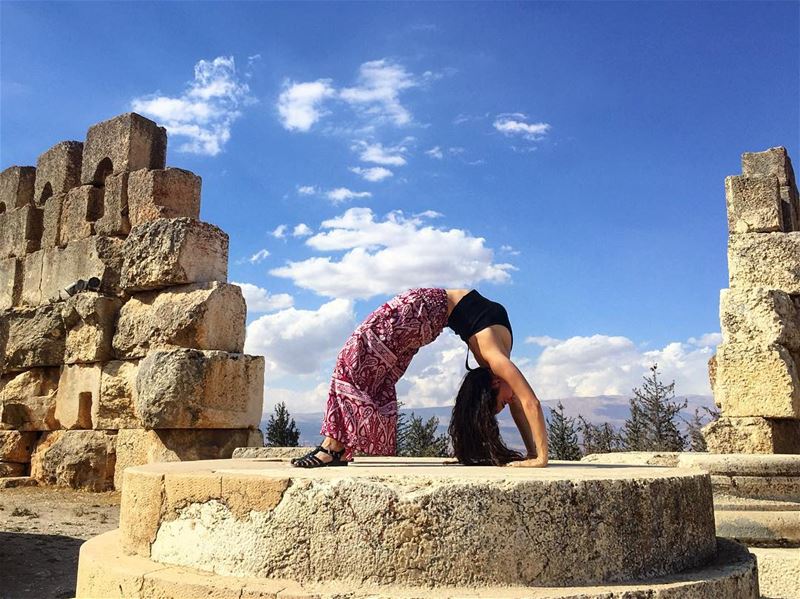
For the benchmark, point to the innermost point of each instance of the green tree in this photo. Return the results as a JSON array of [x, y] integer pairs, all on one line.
[[653, 423], [562, 436], [281, 429], [597, 438], [633, 436], [694, 432], [418, 439]]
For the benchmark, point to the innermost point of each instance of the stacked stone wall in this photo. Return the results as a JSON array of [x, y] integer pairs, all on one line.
[[755, 374], [144, 364]]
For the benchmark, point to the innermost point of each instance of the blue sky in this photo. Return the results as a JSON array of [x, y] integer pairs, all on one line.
[[567, 159]]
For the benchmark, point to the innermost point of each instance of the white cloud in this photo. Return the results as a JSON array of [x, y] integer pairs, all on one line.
[[279, 232], [259, 256], [509, 250], [342, 194], [707, 340], [378, 154], [435, 152], [515, 125], [300, 104], [298, 401], [376, 173], [306, 190], [613, 365], [205, 111], [297, 342], [260, 300], [435, 373], [302, 230], [385, 257], [429, 214], [377, 94]]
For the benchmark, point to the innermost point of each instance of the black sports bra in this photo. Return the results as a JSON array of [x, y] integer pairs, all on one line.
[[473, 313]]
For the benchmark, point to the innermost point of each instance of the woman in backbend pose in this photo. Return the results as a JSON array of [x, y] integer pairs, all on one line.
[[361, 414]]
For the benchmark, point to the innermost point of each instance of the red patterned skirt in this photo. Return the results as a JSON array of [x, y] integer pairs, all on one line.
[[362, 403]]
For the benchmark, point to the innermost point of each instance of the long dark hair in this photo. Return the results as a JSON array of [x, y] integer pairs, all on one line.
[[473, 425]]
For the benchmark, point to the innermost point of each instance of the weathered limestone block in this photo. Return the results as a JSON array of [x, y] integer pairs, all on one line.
[[33, 337], [77, 459], [752, 435], [77, 396], [58, 170], [754, 204], [28, 400], [93, 257], [137, 446], [16, 446], [167, 252], [20, 231], [770, 260], [755, 380], [16, 187], [89, 320], [187, 388], [129, 142], [775, 162], [163, 193], [10, 282], [51, 224], [759, 316], [778, 571], [270, 453], [114, 219], [116, 407], [31, 292], [200, 316], [8, 469], [82, 207]]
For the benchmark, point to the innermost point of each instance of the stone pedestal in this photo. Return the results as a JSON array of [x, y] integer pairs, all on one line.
[[394, 527]]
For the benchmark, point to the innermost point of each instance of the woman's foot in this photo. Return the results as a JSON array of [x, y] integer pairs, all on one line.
[[330, 453]]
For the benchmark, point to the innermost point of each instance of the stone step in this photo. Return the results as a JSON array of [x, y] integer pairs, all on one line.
[[778, 572], [105, 571]]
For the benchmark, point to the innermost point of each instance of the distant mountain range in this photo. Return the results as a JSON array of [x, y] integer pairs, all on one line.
[[613, 409]]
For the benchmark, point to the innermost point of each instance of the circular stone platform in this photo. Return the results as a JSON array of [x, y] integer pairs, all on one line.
[[383, 523]]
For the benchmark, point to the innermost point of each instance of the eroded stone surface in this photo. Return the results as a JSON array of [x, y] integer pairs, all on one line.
[[451, 524], [115, 219], [250, 453], [770, 260], [759, 316], [128, 142], [202, 316], [81, 208], [99, 257], [89, 319], [20, 231], [187, 388], [754, 204], [77, 458], [28, 400], [778, 571], [10, 282], [77, 395], [33, 337], [116, 407], [58, 170], [16, 446], [176, 251], [163, 193], [752, 435], [16, 186]]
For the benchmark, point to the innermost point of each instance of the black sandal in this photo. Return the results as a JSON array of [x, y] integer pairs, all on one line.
[[310, 460]]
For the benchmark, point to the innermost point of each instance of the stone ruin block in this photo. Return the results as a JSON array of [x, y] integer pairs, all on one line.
[[81, 208], [8, 469], [28, 400], [136, 447], [752, 435], [116, 408], [761, 316], [89, 320], [115, 219], [775, 162], [199, 316], [16, 446], [16, 187], [167, 252], [753, 380], [770, 260], [58, 170], [125, 143], [188, 388], [754, 204], [31, 338], [99, 257], [31, 284], [163, 193], [77, 459], [10, 283], [51, 221], [78, 393], [20, 231]]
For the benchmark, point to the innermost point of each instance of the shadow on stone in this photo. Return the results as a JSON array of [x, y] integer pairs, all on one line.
[[35, 565]]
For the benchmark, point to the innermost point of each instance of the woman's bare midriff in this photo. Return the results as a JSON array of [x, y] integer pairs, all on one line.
[[492, 337]]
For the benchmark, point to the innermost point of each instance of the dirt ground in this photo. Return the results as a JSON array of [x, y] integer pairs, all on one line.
[[41, 531]]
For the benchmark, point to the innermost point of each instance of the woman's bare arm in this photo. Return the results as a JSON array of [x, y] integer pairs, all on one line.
[[527, 412]]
